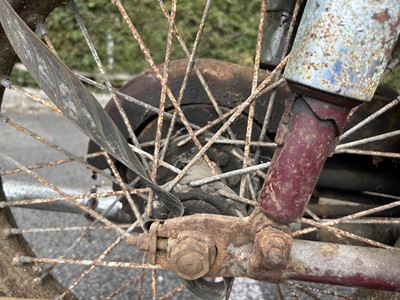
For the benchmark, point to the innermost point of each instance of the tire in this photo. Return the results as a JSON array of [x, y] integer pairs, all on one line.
[[344, 174]]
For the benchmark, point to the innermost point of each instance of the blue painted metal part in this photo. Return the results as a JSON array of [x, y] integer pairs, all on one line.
[[342, 47]]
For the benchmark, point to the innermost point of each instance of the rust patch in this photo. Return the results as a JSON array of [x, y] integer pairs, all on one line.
[[329, 251], [381, 17]]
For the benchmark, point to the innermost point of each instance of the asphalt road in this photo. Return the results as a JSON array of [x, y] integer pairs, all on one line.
[[74, 177]]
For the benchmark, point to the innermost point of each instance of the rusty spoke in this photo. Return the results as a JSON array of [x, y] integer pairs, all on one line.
[[8, 84], [279, 291], [238, 110], [250, 118], [160, 119], [123, 287], [369, 152], [45, 36], [346, 234], [190, 65], [171, 97], [320, 290], [191, 56], [75, 197], [85, 262], [172, 292], [291, 290], [354, 216], [51, 163], [87, 228], [242, 171], [86, 209]]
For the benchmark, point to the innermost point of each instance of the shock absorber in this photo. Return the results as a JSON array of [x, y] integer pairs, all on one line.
[[337, 60]]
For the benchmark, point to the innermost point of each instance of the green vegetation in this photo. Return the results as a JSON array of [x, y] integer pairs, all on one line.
[[230, 32]]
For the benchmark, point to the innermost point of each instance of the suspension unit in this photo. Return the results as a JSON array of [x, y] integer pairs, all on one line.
[[337, 60]]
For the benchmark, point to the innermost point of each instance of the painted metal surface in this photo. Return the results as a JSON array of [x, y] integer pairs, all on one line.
[[276, 28], [345, 265], [306, 137], [342, 47]]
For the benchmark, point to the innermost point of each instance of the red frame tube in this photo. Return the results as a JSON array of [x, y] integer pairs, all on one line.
[[346, 265], [306, 137]]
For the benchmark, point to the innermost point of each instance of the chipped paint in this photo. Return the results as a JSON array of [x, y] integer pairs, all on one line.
[[342, 47]]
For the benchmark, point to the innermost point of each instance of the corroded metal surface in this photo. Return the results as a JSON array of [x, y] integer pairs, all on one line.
[[342, 47], [236, 251]]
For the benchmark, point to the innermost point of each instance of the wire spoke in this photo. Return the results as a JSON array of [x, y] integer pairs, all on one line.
[[8, 84], [370, 118], [153, 66], [375, 138], [86, 209], [191, 56], [172, 292], [190, 65], [123, 287], [75, 197], [51, 163], [117, 101], [86, 262], [250, 118]]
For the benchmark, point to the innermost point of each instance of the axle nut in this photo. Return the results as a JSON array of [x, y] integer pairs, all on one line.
[[275, 247], [192, 257]]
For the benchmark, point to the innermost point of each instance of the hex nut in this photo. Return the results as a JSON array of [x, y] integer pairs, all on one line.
[[275, 247], [191, 257]]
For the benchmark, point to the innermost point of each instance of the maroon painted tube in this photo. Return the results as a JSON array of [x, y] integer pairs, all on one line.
[[346, 265], [306, 137]]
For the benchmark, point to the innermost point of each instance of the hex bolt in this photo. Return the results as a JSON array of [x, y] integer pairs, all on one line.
[[275, 247], [275, 256], [192, 257]]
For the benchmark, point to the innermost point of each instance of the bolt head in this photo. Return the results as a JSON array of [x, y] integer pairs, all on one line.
[[275, 248], [191, 258], [276, 256]]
